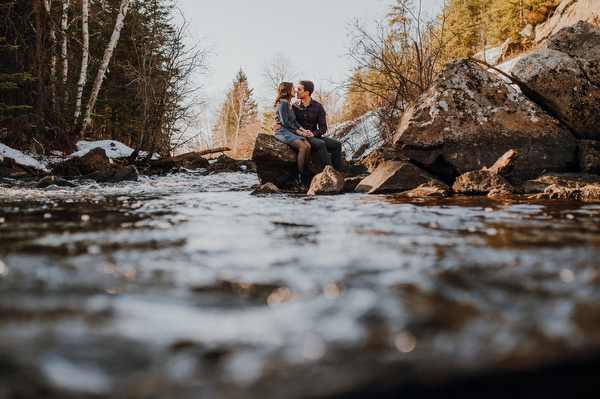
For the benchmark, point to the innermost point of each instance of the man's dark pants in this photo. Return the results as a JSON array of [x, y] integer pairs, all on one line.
[[322, 146]]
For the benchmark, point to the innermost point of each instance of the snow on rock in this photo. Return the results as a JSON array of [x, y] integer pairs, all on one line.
[[113, 148], [491, 54], [21, 158], [357, 134]]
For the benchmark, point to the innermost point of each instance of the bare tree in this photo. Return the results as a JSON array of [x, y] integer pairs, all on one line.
[[331, 100], [108, 52], [53, 56], [169, 99], [85, 57], [276, 69], [398, 62], [64, 23]]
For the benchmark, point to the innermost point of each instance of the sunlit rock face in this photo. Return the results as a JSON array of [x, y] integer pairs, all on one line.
[[565, 78], [393, 176], [327, 182], [480, 182], [470, 117]]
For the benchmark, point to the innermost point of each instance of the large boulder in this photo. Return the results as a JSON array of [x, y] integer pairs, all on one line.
[[380, 155], [93, 161], [393, 176], [564, 78], [9, 168], [277, 163], [96, 159], [470, 117]]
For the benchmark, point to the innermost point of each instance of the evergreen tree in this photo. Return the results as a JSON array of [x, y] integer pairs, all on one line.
[[473, 24], [133, 90], [10, 81], [237, 111], [466, 20]]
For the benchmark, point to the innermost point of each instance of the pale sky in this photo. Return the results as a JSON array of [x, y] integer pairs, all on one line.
[[313, 34]]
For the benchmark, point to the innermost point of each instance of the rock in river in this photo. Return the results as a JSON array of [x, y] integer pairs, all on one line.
[[393, 176], [470, 117], [327, 182]]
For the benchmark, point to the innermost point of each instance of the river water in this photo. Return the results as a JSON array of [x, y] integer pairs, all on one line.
[[187, 286]]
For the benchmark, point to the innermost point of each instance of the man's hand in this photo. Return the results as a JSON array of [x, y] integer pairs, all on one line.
[[309, 134]]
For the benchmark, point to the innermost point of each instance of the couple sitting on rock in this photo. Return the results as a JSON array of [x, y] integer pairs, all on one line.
[[302, 125]]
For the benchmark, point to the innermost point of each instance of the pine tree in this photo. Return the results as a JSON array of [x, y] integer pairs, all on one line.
[[237, 111], [466, 27], [473, 24], [52, 77], [10, 81]]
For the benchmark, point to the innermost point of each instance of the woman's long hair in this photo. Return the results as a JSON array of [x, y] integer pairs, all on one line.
[[285, 92]]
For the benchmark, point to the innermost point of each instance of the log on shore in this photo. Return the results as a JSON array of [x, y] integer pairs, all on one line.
[[183, 158]]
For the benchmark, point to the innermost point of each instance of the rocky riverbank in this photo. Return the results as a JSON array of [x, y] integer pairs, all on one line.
[[475, 131], [540, 125]]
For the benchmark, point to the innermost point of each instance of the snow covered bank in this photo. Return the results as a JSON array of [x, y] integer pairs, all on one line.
[[113, 148], [21, 158]]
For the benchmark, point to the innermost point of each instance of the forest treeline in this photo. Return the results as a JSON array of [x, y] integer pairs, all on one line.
[[119, 69], [99, 69]]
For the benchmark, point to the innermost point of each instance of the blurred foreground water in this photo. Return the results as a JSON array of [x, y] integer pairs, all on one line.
[[186, 286]]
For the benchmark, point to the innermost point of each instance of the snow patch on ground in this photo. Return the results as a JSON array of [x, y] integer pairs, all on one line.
[[21, 158], [490, 55]]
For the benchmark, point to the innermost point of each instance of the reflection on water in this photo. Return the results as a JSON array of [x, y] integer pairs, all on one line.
[[187, 286]]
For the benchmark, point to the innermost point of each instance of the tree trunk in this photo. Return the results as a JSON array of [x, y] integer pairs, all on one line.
[[39, 57], [105, 60], [53, 57], [63, 48], [84, 58]]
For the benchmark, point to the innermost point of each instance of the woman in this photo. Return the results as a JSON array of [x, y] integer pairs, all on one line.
[[290, 131]]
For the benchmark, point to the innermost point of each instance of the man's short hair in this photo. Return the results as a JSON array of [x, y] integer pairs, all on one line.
[[308, 86]]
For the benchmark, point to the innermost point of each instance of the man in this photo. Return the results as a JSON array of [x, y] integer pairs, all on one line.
[[311, 116]]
